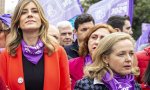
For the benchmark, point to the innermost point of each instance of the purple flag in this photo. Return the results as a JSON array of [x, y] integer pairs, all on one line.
[[145, 27], [143, 39], [102, 10], [60, 10], [6, 18]]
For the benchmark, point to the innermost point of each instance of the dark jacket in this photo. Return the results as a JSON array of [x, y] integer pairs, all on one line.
[[72, 50], [87, 84]]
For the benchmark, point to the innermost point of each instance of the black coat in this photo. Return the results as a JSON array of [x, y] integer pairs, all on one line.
[[72, 50]]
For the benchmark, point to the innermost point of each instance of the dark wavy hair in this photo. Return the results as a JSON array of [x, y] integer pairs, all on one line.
[[146, 77]]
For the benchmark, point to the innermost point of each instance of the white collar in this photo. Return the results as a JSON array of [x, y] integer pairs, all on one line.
[[97, 81]]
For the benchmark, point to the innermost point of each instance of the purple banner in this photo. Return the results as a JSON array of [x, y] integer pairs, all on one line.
[[102, 10], [145, 27], [143, 39], [59, 10]]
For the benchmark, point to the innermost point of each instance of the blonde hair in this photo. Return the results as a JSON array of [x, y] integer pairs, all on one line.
[[98, 68], [15, 36]]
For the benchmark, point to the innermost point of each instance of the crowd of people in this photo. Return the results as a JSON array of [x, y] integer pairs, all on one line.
[[36, 55]]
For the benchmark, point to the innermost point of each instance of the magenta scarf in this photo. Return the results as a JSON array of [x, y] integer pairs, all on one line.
[[119, 82], [33, 53]]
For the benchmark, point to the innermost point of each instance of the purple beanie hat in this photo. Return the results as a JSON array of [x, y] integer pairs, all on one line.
[[6, 19]]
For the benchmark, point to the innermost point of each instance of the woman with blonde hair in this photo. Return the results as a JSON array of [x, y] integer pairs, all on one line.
[[32, 59], [112, 65], [86, 49]]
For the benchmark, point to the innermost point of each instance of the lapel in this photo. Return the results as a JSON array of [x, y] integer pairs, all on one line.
[[15, 70]]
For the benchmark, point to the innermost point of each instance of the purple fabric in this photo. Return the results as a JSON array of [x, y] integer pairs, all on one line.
[[88, 59], [102, 10], [82, 10], [145, 27], [6, 19], [33, 53], [131, 9], [143, 39], [60, 10], [119, 82], [76, 66]]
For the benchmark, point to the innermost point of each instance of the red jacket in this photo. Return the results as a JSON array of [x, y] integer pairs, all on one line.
[[56, 70], [143, 60]]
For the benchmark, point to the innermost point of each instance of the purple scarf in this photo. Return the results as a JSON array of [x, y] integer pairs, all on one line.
[[88, 59], [33, 53], [119, 82]]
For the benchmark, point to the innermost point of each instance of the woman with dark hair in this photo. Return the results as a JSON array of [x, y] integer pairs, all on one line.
[[143, 58], [90, 43], [146, 79]]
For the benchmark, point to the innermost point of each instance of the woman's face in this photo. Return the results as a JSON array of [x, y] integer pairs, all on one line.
[[30, 18], [122, 57], [95, 38]]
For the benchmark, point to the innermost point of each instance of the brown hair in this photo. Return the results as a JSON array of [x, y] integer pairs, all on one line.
[[83, 49]]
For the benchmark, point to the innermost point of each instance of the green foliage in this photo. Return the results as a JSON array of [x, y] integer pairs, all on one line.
[[141, 14]]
